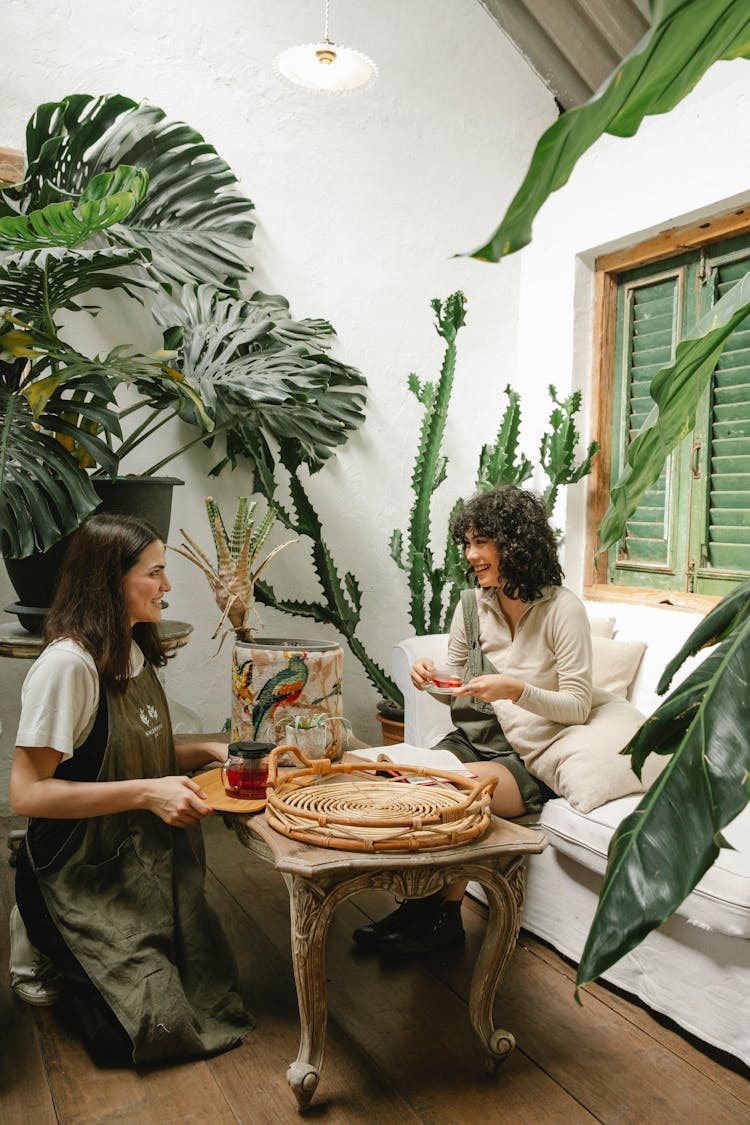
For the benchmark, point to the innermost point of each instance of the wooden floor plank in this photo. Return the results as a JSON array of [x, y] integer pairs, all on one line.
[[723, 1069], [620, 1071], [24, 1093]]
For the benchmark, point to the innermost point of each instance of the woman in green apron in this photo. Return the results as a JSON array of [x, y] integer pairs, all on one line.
[[110, 880], [521, 644]]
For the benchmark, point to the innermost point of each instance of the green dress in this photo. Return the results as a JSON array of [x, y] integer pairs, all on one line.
[[126, 893]]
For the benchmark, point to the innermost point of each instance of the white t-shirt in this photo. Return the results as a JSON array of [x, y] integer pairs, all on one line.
[[60, 696]]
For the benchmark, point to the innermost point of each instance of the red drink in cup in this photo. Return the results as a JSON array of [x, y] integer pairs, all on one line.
[[446, 679]]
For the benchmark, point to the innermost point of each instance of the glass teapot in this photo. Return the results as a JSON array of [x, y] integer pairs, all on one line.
[[245, 772]]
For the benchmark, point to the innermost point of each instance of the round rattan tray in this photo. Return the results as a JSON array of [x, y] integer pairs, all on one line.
[[347, 806]]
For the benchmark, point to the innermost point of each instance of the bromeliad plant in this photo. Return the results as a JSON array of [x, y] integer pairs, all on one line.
[[435, 586], [117, 197], [703, 725], [233, 577]]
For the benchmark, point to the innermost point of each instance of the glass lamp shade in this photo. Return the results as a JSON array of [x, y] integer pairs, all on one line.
[[326, 67]]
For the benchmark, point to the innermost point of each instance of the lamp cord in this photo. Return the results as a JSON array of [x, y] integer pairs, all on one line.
[[325, 32]]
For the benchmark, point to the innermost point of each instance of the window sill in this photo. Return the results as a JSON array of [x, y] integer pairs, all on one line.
[[661, 599]]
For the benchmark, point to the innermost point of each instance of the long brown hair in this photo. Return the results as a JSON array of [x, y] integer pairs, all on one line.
[[89, 605]]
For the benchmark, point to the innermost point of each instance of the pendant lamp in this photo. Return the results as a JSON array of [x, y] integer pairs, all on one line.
[[326, 67]]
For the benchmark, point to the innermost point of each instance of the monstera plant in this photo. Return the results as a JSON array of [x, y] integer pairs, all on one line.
[[118, 197], [703, 726]]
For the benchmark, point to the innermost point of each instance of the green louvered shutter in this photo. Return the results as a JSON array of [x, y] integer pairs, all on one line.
[[728, 546], [648, 337]]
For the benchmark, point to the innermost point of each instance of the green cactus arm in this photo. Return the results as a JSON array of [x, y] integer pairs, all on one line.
[[558, 446], [499, 463], [430, 464]]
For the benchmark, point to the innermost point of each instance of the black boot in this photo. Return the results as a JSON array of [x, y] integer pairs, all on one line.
[[441, 932], [411, 914]]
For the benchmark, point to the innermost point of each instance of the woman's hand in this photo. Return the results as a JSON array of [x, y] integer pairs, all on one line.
[[490, 688], [179, 801], [421, 673]]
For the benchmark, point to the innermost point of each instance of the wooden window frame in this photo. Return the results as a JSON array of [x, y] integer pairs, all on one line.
[[607, 270]]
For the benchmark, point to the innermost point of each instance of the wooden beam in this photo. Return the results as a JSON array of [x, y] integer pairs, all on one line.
[[677, 239]]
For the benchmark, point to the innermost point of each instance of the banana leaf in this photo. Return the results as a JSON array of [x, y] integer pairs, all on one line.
[[686, 37], [676, 391], [661, 851], [193, 221], [110, 198]]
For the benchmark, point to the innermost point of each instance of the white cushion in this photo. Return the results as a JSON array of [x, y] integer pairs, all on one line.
[[720, 902], [584, 763], [601, 626], [615, 664]]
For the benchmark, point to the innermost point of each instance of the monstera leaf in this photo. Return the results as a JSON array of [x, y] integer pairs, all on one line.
[[45, 490], [108, 199], [256, 368], [193, 220], [36, 284], [676, 391], [660, 852], [686, 37]]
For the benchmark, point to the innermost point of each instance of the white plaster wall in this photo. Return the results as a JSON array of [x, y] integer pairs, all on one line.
[[689, 164], [361, 203]]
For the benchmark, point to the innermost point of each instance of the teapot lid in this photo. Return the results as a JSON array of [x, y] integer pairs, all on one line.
[[250, 749]]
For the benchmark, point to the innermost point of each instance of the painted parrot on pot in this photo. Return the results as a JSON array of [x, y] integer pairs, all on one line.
[[285, 687]]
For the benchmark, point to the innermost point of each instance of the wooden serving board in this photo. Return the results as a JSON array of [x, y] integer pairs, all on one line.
[[213, 786]]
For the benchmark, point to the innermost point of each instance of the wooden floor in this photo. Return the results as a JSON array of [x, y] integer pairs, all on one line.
[[400, 1047]]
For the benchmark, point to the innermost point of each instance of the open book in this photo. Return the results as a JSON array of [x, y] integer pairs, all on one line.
[[403, 754]]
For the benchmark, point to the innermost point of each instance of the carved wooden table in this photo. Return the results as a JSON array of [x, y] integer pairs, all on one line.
[[318, 879]]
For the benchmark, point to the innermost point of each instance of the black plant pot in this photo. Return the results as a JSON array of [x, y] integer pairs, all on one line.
[[35, 578]]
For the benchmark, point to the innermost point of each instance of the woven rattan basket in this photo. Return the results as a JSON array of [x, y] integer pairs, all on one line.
[[347, 805]]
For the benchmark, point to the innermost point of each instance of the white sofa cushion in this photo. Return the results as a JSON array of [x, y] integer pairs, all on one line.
[[720, 902], [615, 664]]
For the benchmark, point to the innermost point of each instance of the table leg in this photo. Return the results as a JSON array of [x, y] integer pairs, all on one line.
[[311, 908], [505, 890]]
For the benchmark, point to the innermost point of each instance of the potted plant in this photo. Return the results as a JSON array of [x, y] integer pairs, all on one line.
[[89, 216], [275, 680]]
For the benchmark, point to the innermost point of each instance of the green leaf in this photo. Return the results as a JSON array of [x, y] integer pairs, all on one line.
[[45, 492], [193, 221], [35, 285], [110, 198], [676, 391], [661, 851], [241, 358], [715, 626], [686, 37]]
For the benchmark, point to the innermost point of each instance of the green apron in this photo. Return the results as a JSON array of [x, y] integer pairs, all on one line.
[[126, 893], [478, 735]]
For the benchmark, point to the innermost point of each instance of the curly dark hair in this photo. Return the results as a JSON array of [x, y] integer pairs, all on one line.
[[517, 521]]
